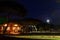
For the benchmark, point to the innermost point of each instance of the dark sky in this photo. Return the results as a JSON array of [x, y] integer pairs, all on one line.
[[42, 9]]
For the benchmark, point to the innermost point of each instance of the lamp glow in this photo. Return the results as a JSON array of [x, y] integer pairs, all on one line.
[[16, 25], [48, 21], [5, 24]]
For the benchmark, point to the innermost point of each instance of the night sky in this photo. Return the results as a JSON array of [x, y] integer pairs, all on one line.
[[42, 9]]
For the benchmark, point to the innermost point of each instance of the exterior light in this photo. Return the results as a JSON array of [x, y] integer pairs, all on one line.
[[16, 25], [5, 24], [48, 21]]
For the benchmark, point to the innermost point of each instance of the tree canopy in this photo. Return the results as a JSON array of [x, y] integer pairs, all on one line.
[[12, 8]]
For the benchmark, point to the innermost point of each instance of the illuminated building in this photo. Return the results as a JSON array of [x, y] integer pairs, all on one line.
[[13, 28]]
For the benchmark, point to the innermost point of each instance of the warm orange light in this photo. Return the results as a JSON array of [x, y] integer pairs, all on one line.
[[5, 24], [18, 28], [2, 28], [14, 28], [16, 25], [8, 28]]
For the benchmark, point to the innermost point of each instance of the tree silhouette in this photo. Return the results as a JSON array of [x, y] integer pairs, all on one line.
[[12, 8]]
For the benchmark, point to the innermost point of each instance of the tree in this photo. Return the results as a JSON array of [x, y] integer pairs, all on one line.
[[12, 8]]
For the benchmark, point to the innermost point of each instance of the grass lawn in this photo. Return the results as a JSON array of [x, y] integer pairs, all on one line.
[[38, 37]]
